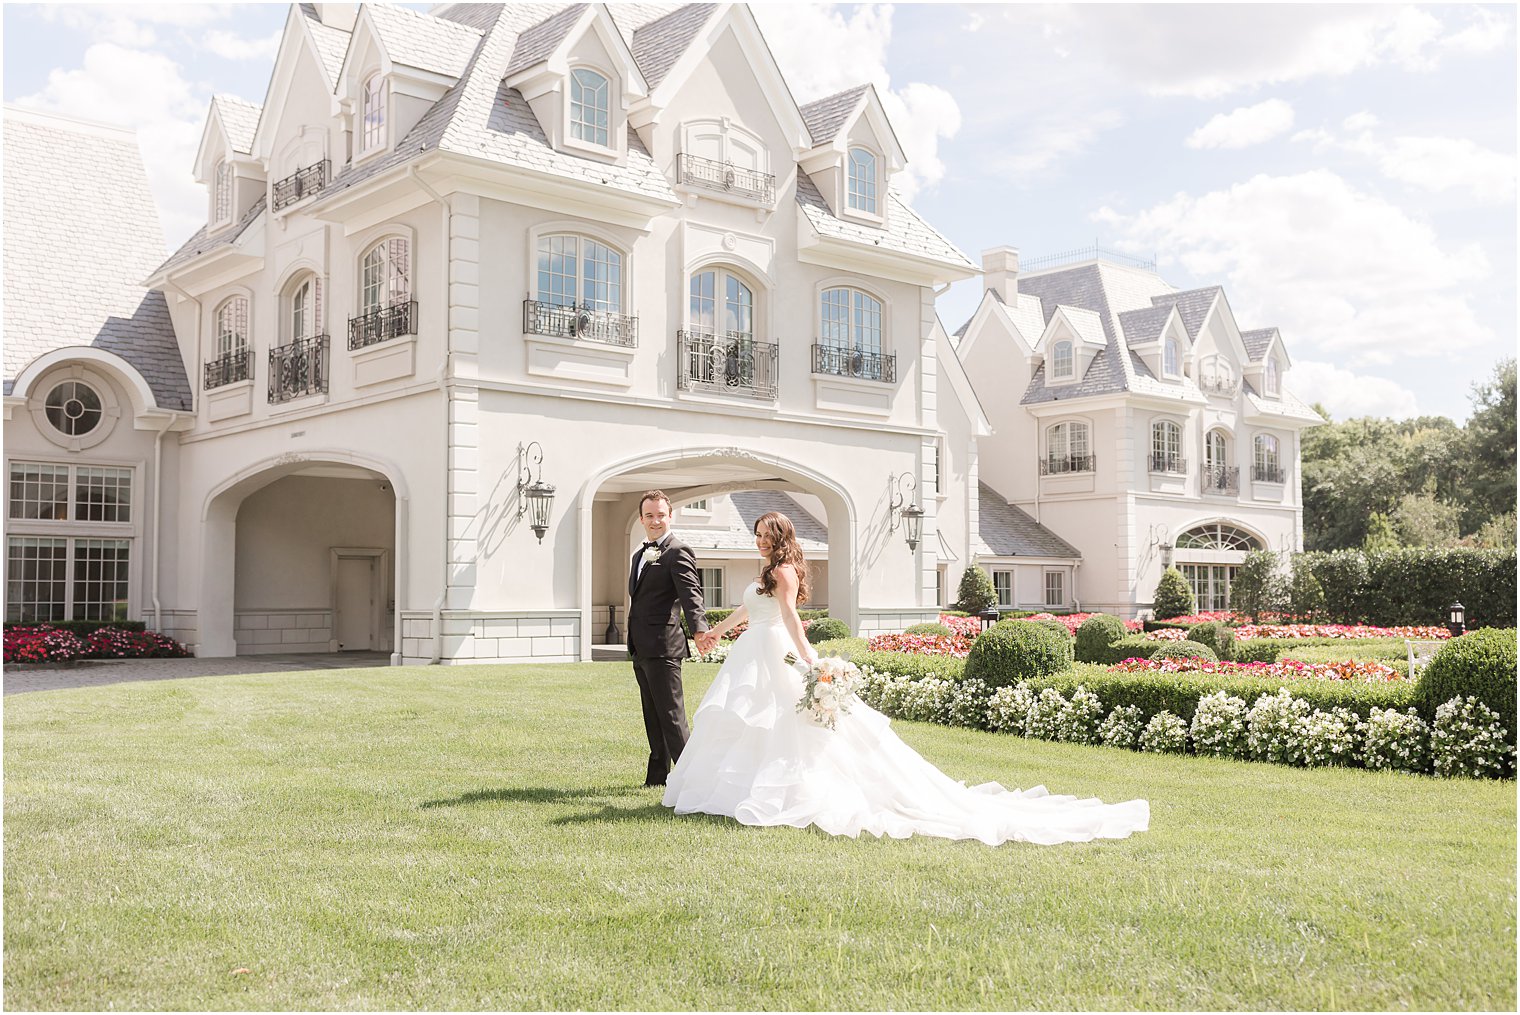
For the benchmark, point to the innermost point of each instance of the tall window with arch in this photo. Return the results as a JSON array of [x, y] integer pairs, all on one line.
[[303, 308], [1266, 459], [372, 109], [385, 294], [1063, 364], [222, 192], [579, 291], [1067, 449], [1171, 362], [1218, 475], [590, 107], [719, 350], [232, 361], [1272, 377], [850, 323], [299, 365], [862, 180], [1166, 447]]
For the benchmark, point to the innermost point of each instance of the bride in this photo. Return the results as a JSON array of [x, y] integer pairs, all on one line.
[[754, 758]]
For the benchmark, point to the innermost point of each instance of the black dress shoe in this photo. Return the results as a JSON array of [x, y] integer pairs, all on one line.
[[660, 783]]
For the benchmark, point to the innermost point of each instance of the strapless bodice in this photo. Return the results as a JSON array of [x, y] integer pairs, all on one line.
[[763, 609]]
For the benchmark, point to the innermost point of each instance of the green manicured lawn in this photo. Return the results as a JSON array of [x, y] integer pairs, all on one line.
[[475, 837]]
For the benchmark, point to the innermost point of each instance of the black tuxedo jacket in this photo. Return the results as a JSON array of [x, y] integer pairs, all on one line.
[[658, 596]]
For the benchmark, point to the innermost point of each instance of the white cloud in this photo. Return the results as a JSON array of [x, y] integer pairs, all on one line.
[[1348, 395], [1360, 121], [822, 51], [1435, 164], [130, 24], [231, 46], [1343, 273], [1052, 139], [144, 92], [1246, 126]]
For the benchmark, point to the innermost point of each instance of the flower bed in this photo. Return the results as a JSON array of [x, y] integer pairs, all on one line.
[[1288, 669], [958, 645], [48, 644], [1344, 631]]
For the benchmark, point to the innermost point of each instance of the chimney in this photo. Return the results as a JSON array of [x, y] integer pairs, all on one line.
[[340, 16], [1000, 272]]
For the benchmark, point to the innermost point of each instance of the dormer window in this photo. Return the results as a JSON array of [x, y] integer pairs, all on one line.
[[1171, 362], [1062, 362], [221, 192], [1272, 381], [590, 107], [374, 113], [862, 181]]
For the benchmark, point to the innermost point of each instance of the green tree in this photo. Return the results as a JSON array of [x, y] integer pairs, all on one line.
[[1381, 535], [1498, 533], [1259, 586], [975, 593], [1422, 520], [1491, 447], [1306, 596], [1174, 596]]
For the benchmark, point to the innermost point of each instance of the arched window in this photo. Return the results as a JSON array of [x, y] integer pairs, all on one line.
[[1266, 459], [1272, 377], [579, 271], [1067, 449], [719, 351], [862, 180], [374, 113], [74, 408], [850, 336], [222, 192], [722, 304], [1218, 536], [1166, 447], [303, 308], [385, 275], [1062, 362], [1215, 446], [232, 326], [1171, 363], [590, 107], [1218, 475]]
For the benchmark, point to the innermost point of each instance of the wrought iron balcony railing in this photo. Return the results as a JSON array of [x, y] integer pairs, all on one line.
[[382, 323], [726, 178], [730, 363], [1162, 462], [301, 184], [1226, 387], [846, 362], [1219, 479], [1268, 474], [297, 369], [570, 321], [1059, 466], [229, 367]]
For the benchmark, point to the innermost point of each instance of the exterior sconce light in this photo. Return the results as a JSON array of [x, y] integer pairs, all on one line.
[[1456, 619], [904, 510], [533, 495], [1166, 555]]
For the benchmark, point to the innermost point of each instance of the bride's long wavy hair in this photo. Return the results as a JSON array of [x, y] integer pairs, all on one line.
[[784, 550]]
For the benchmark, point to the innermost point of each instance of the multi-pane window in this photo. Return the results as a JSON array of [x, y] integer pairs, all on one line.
[[712, 585], [74, 408], [1002, 584], [1211, 584], [1266, 459], [385, 275], [36, 579], [374, 113], [939, 586], [232, 326], [39, 491], [1062, 361], [589, 107], [102, 494], [1218, 536], [60, 577], [700, 506], [1067, 448], [1055, 588], [851, 319], [576, 271], [101, 578], [1166, 447], [304, 309], [1171, 363], [222, 192], [1272, 377], [939, 479], [1215, 450], [862, 180], [733, 314]]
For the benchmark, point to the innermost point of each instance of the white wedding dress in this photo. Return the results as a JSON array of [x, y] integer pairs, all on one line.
[[754, 758]]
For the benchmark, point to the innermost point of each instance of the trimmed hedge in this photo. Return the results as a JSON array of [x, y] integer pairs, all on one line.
[[911, 664], [1481, 664], [719, 614], [1271, 650], [1415, 585], [827, 629], [83, 628], [1053, 626], [1095, 635], [844, 648], [1173, 597], [1014, 650], [931, 628], [1185, 650], [1218, 637]]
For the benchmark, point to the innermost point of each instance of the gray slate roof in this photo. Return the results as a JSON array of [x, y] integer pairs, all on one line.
[[240, 119], [204, 240], [825, 116], [1192, 304], [1008, 531], [754, 503], [75, 260], [659, 44], [1141, 326], [906, 232], [538, 42], [331, 43], [1257, 342], [422, 41]]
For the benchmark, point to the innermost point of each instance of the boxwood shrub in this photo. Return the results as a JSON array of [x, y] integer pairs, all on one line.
[[1217, 636], [1415, 585], [1095, 635], [1480, 664], [1184, 650], [1055, 627], [1014, 650], [931, 628], [827, 629]]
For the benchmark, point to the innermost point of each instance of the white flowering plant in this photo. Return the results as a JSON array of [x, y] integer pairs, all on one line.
[[1122, 727], [968, 704], [832, 685], [1219, 726], [1045, 717], [1396, 740], [1164, 734], [1079, 720], [1332, 737], [1274, 728], [1008, 709], [1467, 739]]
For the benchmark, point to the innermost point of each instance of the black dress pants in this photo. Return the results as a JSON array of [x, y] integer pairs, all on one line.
[[659, 680]]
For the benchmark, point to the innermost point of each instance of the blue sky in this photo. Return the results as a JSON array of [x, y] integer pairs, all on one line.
[[1347, 173]]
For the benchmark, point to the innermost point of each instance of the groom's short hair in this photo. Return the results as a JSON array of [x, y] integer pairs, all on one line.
[[655, 495]]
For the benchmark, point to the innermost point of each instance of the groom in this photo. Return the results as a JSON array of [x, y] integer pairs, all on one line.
[[662, 584]]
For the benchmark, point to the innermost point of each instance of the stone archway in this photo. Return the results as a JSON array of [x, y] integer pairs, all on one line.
[[689, 473], [269, 489]]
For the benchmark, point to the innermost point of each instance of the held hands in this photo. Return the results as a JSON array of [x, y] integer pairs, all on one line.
[[706, 640]]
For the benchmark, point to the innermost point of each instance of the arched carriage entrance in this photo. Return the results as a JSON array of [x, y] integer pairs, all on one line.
[[609, 512]]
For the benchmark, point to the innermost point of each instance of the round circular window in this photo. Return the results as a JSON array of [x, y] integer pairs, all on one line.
[[73, 408]]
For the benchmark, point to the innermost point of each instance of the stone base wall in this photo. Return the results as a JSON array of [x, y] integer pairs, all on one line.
[[265, 632], [521, 636], [894, 621]]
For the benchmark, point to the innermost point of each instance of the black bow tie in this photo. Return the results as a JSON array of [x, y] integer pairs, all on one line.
[[648, 545]]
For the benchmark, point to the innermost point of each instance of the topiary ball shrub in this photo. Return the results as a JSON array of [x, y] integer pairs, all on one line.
[[939, 630], [975, 593], [1013, 650], [1053, 625], [1184, 650], [1174, 596], [1216, 636], [1095, 635], [1481, 664], [827, 629]]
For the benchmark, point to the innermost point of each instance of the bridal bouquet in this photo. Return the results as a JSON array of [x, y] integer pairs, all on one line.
[[831, 687]]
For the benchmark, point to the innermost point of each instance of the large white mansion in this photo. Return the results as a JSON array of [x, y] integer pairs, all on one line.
[[472, 280]]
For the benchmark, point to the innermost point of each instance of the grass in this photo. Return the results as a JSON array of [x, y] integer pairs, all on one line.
[[475, 837]]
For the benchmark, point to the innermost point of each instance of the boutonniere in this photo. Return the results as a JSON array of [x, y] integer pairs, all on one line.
[[652, 555]]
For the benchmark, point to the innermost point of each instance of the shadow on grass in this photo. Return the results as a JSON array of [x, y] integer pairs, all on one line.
[[531, 795], [650, 812]]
